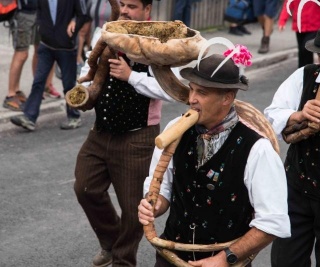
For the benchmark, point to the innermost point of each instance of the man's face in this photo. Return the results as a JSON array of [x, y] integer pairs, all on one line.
[[211, 103], [134, 10]]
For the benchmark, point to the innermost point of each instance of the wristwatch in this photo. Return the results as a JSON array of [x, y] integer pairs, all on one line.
[[231, 257]]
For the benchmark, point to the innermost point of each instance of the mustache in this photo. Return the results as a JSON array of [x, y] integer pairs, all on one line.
[[124, 16]]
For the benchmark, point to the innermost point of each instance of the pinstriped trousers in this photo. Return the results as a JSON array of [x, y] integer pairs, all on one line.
[[123, 161]]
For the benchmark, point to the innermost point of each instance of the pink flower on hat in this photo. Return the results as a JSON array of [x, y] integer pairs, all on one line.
[[241, 58]]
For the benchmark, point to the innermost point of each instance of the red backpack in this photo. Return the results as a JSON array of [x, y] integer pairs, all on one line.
[[7, 9]]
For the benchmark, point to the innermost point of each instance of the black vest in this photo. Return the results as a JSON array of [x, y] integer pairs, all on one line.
[[119, 107], [213, 198], [302, 163]]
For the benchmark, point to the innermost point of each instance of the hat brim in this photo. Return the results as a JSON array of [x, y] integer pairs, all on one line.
[[187, 73], [311, 47]]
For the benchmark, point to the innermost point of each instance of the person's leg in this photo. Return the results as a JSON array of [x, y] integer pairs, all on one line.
[[129, 156], [91, 188], [265, 11], [21, 28], [316, 210], [268, 26], [50, 90], [296, 250], [179, 9], [45, 63], [83, 39], [67, 62], [17, 63], [186, 16]]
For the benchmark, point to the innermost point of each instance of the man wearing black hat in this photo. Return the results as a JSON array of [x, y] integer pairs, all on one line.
[[225, 181], [294, 104]]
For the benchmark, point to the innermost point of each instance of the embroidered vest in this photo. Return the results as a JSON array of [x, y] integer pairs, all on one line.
[[302, 162], [212, 199], [119, 107]]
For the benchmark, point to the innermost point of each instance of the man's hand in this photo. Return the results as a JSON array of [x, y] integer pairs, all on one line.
[[218, 260], [120, 69], [311, 110], [145, 213], [71, 28]]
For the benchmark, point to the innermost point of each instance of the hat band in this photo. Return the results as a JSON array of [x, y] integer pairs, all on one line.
[[213, 79]]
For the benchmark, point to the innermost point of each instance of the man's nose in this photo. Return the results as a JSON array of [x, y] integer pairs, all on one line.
[[192, 98], [124, 10]]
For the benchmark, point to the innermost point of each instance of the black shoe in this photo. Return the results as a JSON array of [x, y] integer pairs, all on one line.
[[235, 31], [243, 29]]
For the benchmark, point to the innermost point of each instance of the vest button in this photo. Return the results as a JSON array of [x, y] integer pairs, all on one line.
[[210, 186]]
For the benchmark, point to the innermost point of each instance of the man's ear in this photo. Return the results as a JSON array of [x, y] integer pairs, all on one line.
[[229, 97], [148, 10]]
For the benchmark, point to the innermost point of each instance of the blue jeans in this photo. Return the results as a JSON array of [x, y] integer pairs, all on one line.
[[67, 61], [182, 11]]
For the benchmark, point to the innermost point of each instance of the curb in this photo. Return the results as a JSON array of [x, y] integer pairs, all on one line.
[[273, 58], [50, 107]]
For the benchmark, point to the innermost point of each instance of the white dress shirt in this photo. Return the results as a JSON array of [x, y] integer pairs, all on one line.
[[286, 101]]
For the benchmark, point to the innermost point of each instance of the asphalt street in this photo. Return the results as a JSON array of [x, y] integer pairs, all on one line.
[[41, 223]]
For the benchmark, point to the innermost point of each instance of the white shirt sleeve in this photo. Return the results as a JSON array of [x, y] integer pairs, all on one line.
[[166, 185], [285, 101], [265, 180], [148, 86]]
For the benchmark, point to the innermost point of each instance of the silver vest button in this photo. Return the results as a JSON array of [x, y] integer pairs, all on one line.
[[210, 186]]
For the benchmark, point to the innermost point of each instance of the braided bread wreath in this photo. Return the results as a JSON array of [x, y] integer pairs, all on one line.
[[162, 45]]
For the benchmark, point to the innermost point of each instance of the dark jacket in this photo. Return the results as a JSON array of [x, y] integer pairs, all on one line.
[[27, 6], [56, 35]]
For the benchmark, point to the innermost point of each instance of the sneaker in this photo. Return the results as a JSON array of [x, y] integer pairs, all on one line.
[[21, 96], [71, 123], [51, 91], [235, 31], [102, 258], [243, 29], [24, 122], [13, 103]]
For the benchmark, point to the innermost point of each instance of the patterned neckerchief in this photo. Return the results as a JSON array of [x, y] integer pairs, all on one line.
[[210, 141]]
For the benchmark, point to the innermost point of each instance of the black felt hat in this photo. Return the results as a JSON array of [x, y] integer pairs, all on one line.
[[314, 44], [227, 77]]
